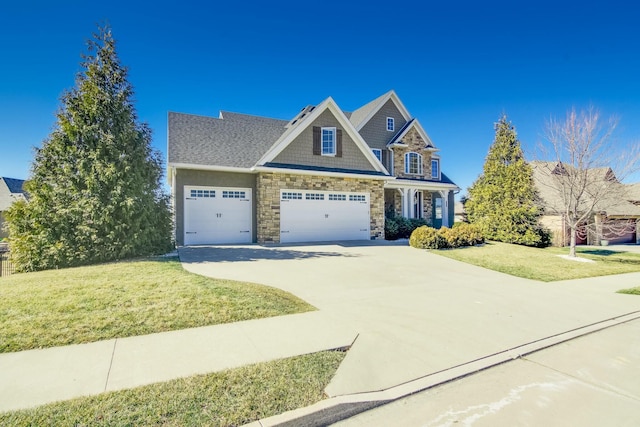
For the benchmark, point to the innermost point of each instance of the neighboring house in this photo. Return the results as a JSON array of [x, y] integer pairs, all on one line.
[[324, 175], [10, 190], [617, 212], [460, 215]]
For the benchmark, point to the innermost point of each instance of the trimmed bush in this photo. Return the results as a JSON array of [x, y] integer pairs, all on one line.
[[460, 235], [427, 238]]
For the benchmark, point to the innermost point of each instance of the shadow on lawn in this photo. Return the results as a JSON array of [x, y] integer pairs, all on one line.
[[600, 252]]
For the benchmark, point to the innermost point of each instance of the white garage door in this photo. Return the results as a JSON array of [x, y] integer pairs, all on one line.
[[215, 215], [316, 216]]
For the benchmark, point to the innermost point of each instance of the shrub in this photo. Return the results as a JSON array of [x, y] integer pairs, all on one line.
[[401, 228], [469, 234], [427, 238], [461, 235], [391, 229]]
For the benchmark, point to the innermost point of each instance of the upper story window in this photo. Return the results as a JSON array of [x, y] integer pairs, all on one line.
[[378, 153], [328, 141], [435, 168], [390, 124], [413, 164]]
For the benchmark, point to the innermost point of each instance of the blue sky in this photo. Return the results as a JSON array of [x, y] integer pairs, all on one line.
[[456, 65]]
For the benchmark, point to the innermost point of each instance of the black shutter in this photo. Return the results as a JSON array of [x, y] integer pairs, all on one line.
[[338, 142], [316, 141]]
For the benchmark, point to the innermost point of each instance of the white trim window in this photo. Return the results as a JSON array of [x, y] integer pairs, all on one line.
[[390, 124], [328, 141], [435, 168], [378, 153], [413, 163]]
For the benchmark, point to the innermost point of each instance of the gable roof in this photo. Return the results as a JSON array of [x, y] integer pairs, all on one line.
[[16, 186], [362, 115], [233, 141], [412, 124], [14, 191], [613, 198], [305, 120]]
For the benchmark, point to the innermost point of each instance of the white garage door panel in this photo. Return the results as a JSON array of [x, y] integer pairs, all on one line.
[[216, 215], [304, 218]]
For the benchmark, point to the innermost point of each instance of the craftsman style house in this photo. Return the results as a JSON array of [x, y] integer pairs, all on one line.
[[324, 175]]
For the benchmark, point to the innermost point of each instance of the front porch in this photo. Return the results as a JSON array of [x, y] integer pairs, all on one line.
[[435, 206]]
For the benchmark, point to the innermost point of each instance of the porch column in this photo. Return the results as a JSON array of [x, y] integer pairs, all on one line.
[[445, 207]]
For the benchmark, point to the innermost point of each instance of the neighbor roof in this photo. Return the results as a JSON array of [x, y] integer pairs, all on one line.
[[15, 192], [616, 202]]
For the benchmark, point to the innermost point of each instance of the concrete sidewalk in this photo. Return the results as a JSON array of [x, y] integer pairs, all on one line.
[[35, 377]]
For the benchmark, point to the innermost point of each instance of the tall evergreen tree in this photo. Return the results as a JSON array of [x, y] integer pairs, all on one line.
[[95, 187], [503, 200]]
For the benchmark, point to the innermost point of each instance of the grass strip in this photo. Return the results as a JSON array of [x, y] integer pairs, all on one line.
[[86, 304], [544, 264], [229, 398]]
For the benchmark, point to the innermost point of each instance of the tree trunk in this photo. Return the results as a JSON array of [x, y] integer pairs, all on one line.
[[572, 244]]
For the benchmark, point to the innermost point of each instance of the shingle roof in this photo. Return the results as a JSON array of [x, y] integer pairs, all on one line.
[[15, 185], [612, 196], [235, 140], [363, 112], [14, 191], [323, 169]]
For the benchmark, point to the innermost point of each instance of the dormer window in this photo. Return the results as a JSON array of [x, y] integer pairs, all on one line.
[[435, 168], [390, 124], [413, 164]]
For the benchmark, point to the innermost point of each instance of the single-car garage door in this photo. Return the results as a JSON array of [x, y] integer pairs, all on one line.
[[215, 215], [316, 216]]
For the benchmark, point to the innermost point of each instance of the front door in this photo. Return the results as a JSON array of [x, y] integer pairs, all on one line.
[[437, 211]]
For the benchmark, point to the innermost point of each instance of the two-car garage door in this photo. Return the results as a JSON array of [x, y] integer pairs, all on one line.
[[316, 216], [217, 215]]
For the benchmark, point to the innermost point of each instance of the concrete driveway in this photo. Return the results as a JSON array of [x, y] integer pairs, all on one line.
[[416, 314]]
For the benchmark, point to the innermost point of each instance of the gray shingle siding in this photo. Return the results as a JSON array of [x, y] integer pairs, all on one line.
[[375, 131], [237, 140], [300, 150]]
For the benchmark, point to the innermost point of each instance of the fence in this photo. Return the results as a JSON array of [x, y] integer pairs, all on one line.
[[6, 266]]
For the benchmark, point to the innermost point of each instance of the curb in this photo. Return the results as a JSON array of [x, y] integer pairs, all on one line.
[[338, 408]]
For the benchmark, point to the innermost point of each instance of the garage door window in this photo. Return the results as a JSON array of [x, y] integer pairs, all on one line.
[[291, 196], [337, 197], [357, 198], [314, 196], [203, 193], [233, 194]]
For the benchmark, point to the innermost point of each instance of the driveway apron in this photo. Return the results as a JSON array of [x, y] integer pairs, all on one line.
[[417, 313]]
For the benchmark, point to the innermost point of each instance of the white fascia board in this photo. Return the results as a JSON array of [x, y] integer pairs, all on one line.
[[399, 105], [422, 185], [416, 124], [320, 173], [331, 105], [209, 167]]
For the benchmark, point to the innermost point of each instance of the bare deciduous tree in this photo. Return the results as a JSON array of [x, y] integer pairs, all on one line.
[[581, 181]]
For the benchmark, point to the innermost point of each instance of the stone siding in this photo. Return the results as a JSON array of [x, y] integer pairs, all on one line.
[[415, 144], [268, 199]]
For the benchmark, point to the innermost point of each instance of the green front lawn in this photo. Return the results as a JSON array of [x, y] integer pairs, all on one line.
[[228, 398], [545, 264], [85, 304]]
